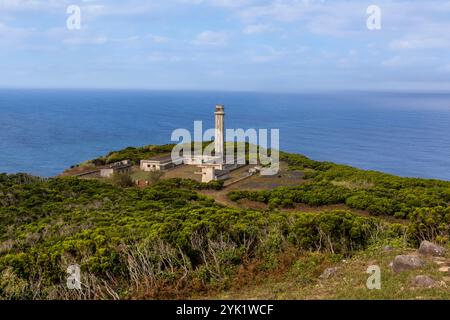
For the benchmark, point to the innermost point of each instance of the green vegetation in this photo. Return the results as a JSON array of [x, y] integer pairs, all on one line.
[[301, 279], [425, 202], [167, 234], [169, 241], [430, 223], [135, 155], [122, 180], [154, 177]]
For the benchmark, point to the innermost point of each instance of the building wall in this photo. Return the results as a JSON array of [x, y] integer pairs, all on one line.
[[145, 166], [109, 172], [208, 174], [123, 170], [149, 166], [106, 173]]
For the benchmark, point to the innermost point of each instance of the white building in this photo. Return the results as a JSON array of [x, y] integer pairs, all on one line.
[[211, 172], [158, 164], [212, 167], [118, 167]]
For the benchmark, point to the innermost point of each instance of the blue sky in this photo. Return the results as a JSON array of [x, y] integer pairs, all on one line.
[[256, 45]]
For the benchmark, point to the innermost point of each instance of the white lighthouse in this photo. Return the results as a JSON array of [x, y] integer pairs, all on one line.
[[220, 131]]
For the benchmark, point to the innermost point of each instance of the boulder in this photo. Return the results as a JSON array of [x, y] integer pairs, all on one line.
[[407, 262], [329, 272], [428, 248], [424, 282], [444, 269]]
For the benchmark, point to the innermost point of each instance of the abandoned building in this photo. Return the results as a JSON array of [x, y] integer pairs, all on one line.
[[160, 163], [117, 167]]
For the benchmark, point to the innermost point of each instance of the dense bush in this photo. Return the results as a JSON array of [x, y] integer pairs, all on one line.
[[337, 231], [191, 184], [133, 242], [376, 192], [430, 224], [122, 179], [135, 155], [163, 235], [311, 194]]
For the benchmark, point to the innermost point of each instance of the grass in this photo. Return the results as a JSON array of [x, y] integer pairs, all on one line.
[[353, 184], [301, 281]]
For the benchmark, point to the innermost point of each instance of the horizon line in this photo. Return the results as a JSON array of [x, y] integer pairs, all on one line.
[[305, 91]]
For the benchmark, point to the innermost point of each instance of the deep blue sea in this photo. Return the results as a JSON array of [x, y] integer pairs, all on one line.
[[45, 131]]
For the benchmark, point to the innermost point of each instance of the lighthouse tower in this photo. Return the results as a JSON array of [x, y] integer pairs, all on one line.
[[220, 131]]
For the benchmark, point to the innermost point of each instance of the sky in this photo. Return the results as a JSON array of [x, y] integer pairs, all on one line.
[[229, 45]]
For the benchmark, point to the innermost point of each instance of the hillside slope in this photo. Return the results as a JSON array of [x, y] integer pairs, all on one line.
[[171, 241]]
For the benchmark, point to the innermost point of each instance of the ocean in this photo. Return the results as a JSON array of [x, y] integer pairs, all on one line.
[[42, 132]]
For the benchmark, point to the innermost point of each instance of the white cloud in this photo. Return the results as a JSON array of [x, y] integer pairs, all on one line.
[[420, 43], [78, 40], [123, 8], [89, 8], [164, 57], [12, 36], [270, 54], [211, 38], [413, 39], [33, 5], [257, 29], [415, 61], [282, 10], [157, 39], [221, 3], [395, 62]]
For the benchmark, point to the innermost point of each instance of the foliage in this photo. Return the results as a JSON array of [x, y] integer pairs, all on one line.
[[167, 240], [154, 176], [122, 179], [135, 155], [430, 223], [191, 184], [108, 230], [378, 193]]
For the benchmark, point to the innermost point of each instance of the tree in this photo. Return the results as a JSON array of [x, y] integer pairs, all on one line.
[[122, 180], [155, 176]]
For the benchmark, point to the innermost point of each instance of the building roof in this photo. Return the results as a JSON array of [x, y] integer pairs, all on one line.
[[118, 166], [220, 173], [160, 159]]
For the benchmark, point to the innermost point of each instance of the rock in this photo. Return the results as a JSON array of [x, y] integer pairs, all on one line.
[[444, 269], [428, 248], [388, 249], [424, 282], [405, 262], [328, 273], [440, 259]]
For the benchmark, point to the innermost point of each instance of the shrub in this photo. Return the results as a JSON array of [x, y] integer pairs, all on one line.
[[122, 180], [430, 224], [155, 176]]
